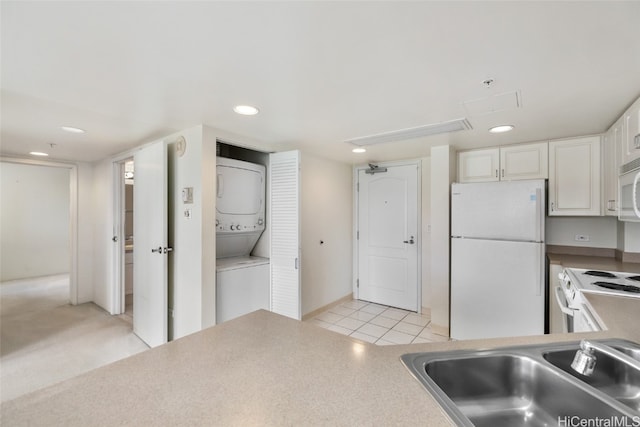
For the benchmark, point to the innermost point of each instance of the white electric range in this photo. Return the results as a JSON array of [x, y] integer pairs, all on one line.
[[579, 316], [604, 282]]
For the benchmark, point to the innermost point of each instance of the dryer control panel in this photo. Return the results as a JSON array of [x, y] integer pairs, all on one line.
[[239, 225]]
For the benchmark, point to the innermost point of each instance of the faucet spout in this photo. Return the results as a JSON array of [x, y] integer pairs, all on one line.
[[584, 361]]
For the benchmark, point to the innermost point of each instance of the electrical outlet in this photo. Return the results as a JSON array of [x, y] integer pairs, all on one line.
[[582, 238]]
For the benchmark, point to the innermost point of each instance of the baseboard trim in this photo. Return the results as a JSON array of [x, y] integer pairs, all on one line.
[[426, 311], [440, 330], [327, 307]]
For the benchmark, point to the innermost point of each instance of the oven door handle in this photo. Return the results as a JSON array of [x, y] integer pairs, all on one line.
[[562, 304]]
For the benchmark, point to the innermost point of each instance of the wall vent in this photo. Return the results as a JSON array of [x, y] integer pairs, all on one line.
[[410, 133]]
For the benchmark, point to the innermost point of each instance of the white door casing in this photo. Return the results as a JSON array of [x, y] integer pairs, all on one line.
[[284, 214], [150, 252], [388, 233]]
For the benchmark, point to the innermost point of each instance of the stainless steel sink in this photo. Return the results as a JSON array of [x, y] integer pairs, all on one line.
[[524, 386], [620, 381]]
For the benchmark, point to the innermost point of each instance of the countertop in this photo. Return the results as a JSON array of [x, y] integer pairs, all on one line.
[[593, 263], [266, 369]]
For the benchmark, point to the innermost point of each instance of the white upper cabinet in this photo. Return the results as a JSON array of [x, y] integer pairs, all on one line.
[[508, 163], [574, 176], [524, 161], [631, 137], [611, 160], [479, 165]]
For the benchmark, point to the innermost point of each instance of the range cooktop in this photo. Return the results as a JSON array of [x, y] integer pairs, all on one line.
[[606, 282]]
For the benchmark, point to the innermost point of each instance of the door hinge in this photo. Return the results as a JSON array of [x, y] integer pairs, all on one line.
[[358, 235], [358, 187], [358, 283]]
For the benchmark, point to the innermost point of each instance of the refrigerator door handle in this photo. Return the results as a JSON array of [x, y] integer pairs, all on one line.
[[541, 271], [539, 214]]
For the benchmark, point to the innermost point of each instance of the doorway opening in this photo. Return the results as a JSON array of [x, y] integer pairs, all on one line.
[[39, 221], [124, 238]]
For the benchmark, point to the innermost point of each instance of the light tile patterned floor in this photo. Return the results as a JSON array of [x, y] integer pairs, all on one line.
[[377, 324]]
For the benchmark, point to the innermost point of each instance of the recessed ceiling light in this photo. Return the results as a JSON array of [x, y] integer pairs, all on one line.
[[246, 110], [501, 128], [72, 129], [359, 150], [38, 153]]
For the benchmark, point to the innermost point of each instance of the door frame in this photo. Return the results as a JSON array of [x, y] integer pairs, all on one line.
[[116, 281], [356, 211], [117, 289], [73, 215]]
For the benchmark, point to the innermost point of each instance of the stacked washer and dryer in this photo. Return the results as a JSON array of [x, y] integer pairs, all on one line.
[[242, 280]]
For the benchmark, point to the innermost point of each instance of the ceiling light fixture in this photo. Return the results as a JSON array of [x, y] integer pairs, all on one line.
[[38, 153], [359, 150], [246, 110], [71, 129], [501, 128]]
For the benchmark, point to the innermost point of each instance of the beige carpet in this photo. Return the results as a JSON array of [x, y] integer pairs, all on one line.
[[45, 340]]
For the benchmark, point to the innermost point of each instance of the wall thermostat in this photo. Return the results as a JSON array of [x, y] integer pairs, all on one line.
[[181, 146], [187, 195]]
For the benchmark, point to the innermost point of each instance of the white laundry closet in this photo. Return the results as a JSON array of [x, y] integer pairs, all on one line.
[[242, 280]]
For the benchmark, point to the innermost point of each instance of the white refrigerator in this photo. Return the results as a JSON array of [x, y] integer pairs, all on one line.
[[497, 259]]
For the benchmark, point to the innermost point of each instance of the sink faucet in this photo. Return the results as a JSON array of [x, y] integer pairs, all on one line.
[[584, 361]]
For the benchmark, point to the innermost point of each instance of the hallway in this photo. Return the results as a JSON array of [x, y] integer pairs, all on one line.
[[45, 340]]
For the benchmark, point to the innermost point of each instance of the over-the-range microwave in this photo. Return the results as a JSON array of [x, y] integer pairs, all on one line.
[[629, 191]]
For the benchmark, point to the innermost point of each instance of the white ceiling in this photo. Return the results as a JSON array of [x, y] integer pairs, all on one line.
[[320, 72]]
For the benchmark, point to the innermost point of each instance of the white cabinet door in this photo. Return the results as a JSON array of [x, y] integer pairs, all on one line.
[[574, 176], [631, 140], [284, 214], [478, 165], [508, 163], [524, 161], [611, 143]]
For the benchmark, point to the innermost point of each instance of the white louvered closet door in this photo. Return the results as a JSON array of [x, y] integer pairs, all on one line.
[[284, 177]]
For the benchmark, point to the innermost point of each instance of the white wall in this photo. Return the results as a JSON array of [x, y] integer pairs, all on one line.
[[34, 230], [85, 239], [103, 247], [632, 237], [326, 215], [602, 231], [192, 272], [442, 174]]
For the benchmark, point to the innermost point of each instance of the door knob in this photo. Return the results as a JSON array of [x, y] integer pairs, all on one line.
[[410, 241], [157, 250]]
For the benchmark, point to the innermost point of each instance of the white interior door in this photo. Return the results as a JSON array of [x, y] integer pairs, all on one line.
[[388, 236], [150, 250], [284, 210]]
